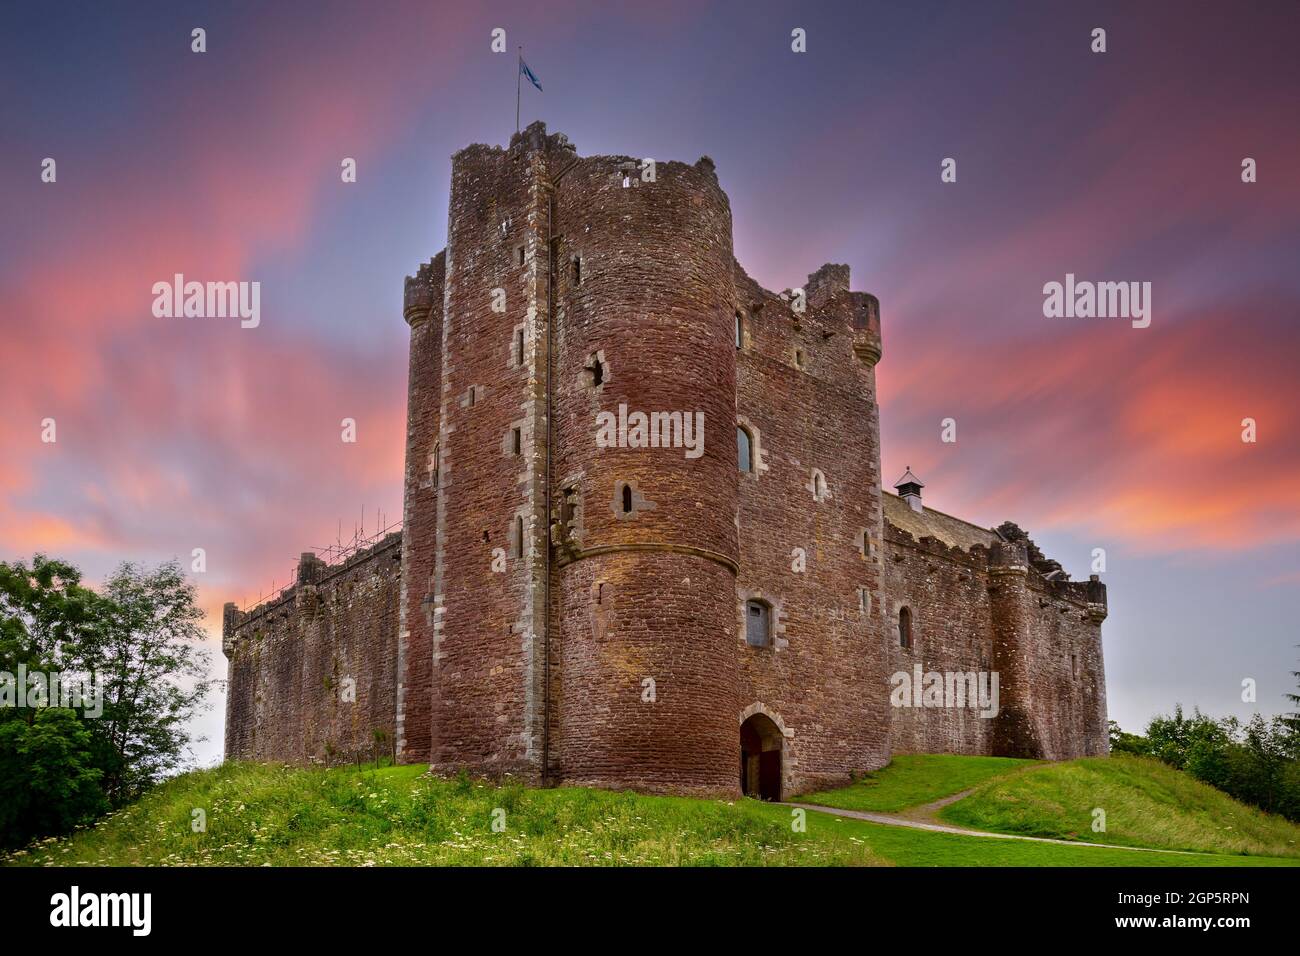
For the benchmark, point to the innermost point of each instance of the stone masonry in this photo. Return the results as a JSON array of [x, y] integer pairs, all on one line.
[[588, 590]]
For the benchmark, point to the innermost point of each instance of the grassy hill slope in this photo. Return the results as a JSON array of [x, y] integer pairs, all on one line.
[[266, 815], [1146, 803], [911, 780], [280, 816]]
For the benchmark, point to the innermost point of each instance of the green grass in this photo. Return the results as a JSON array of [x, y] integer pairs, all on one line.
[[911, 780], [905, 847], [266, 815], [260, 815], [1146, 803]]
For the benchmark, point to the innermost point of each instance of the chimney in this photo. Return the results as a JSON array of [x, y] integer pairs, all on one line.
[[909, 489]]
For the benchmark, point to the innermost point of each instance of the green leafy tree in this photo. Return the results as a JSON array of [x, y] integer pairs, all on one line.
[[48, 619], [155, 673], [140, 641], [1122, 742], [48, 779], [1292, 720], [1173, 739]]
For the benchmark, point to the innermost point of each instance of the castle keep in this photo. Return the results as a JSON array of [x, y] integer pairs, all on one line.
[[645, 542]]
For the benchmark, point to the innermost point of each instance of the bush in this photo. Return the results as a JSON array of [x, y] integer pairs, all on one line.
[[48, 781]]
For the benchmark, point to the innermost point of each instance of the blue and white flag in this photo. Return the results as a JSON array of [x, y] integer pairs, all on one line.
[[523, 68]]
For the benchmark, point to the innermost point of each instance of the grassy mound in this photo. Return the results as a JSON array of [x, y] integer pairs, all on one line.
[[1146, 803], [258, 815], [277, 816], [911, 780]]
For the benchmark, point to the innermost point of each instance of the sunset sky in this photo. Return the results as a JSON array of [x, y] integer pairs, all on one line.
[[175, 434]]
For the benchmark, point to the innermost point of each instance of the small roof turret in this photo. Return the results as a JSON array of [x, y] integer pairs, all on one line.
[[909, 488]]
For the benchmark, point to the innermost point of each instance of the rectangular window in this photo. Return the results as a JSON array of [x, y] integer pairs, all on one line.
[[517, 441], [758, 624], [519, 346]]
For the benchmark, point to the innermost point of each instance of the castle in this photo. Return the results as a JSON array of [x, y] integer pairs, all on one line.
[[717, 596]]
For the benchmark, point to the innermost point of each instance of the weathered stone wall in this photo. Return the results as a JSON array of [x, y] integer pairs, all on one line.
[[807, 401], [489, 565], [946, 590], [423, 310], [313, 673], [644, 591], [991, 610]]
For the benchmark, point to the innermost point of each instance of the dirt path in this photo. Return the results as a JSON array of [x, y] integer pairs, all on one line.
[[898, 820]]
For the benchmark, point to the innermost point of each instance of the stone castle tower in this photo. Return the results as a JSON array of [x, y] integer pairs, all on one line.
[[645, 542]]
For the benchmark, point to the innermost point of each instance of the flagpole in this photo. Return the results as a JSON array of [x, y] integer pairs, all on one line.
[[519, 70]]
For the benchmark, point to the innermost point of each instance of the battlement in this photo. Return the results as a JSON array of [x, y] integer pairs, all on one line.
[[312, 572], [422, 293]]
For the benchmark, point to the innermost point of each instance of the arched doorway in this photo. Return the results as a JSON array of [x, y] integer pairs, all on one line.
[[760, 758]]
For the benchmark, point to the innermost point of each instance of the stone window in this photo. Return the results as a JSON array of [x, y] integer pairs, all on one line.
[[432, 466], [864, 600], [1074, 666], [517, 537], [744, 450], [817, 485], [798, 358], [758, 623], [519, 346], [516, 441], [473, 395], [521, 253], [740, 331], [905, 627], [577, 270], [629, 501]]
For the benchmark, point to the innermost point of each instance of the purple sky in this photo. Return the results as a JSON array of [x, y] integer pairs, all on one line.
[[1087, 432]]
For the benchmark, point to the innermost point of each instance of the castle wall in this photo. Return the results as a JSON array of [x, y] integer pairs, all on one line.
[[1065, 669], [808, 402], [987, 610], [947, 592], [291, 660], [645, 656], [423, 310], [486, 656]]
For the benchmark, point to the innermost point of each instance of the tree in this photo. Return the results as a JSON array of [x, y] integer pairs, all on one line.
[[48, 779], [1173, 739], [1122, 742], [155, 675], [47, 618], [1292, 720]]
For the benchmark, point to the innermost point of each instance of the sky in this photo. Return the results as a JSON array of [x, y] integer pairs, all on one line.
[[1089, 433]]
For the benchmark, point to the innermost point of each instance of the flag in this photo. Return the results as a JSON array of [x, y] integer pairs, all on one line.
[[523, 69]]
